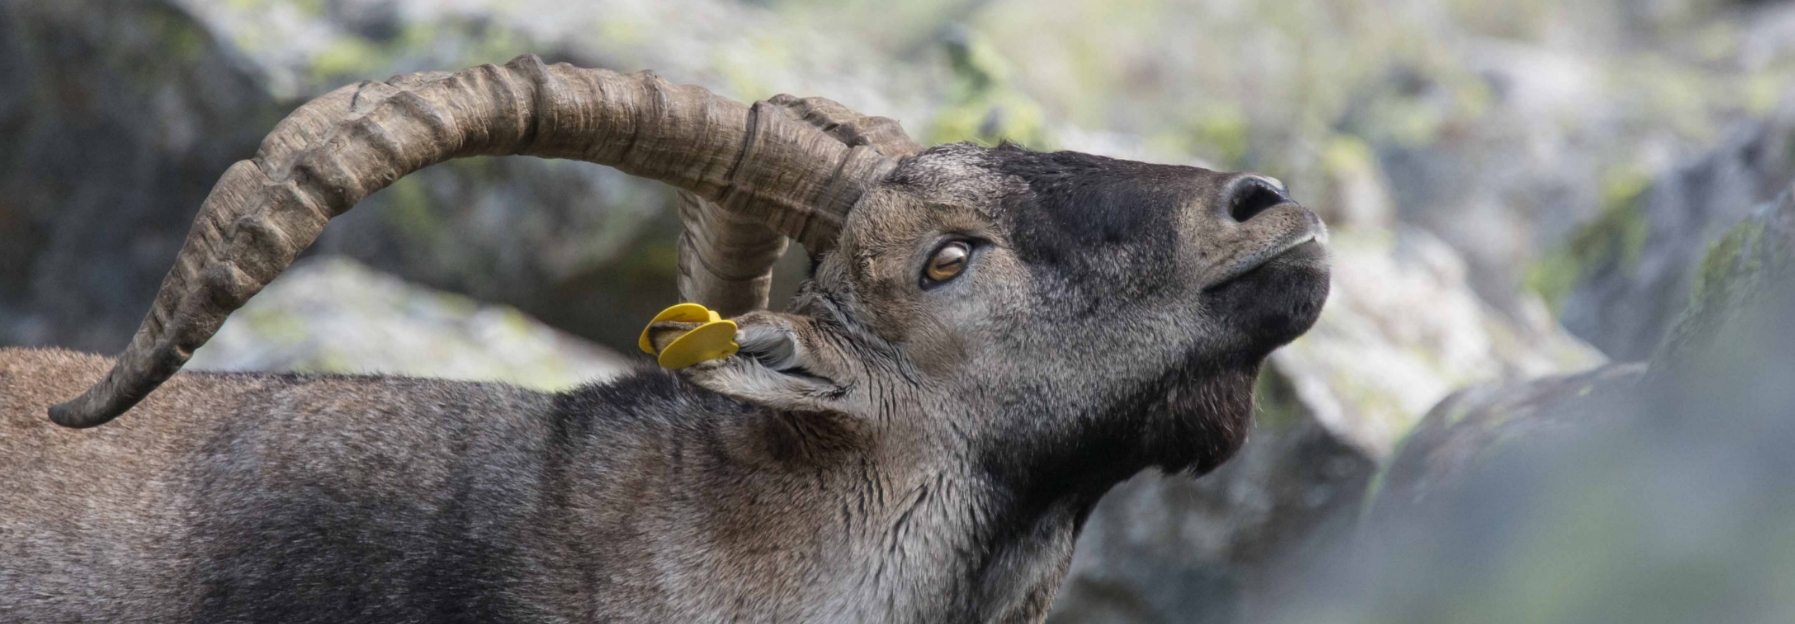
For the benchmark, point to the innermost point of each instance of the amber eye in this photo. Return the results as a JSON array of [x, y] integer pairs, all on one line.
[[948, 261]]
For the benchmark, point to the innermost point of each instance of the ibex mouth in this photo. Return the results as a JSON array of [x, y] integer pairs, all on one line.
[[1310, 234]]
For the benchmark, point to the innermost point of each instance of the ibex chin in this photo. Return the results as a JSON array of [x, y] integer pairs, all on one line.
[[989, 340]]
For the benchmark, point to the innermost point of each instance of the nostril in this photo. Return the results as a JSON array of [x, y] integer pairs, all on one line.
[[1252, 196]]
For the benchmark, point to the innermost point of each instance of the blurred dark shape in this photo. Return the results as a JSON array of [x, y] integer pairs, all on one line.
[[1463, 429], [1613, 496], [118, 116], [378, 21], [1637, 262]]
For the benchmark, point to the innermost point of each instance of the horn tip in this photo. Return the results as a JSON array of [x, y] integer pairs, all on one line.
[[72, 415]]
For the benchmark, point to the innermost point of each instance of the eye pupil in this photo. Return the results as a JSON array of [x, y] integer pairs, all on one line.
[[948, 261]]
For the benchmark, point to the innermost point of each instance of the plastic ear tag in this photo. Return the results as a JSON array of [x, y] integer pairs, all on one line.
[[715, 339]]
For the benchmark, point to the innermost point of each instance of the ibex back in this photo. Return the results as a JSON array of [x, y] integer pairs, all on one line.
[[990, 339]]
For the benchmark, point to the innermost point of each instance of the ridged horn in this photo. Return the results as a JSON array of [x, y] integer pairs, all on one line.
[[725, 261], [754, 162]]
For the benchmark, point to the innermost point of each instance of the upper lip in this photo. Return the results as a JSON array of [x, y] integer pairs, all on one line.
[[1245, 263]]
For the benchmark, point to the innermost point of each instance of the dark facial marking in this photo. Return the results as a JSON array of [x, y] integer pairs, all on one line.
[[1096, 225]]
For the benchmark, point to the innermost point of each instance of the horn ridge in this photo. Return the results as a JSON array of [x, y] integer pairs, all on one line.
[[332, 152]]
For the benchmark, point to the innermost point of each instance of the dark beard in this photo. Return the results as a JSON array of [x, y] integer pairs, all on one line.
[[1192, 418], [1200, 419]]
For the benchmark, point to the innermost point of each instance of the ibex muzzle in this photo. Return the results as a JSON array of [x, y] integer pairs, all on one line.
[[990, 339]]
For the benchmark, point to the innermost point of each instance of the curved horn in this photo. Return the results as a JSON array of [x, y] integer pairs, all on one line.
[[726, 262], [753, 161]]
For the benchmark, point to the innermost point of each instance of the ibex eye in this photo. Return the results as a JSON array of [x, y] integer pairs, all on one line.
[[947, 262]]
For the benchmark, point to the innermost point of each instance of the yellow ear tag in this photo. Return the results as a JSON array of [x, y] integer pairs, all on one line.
[[715, 339]]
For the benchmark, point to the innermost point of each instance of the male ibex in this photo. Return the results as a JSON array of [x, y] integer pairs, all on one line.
[[990, 339]]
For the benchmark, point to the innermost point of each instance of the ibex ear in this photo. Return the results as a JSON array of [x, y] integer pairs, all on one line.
[[783, 363], [661, 334]]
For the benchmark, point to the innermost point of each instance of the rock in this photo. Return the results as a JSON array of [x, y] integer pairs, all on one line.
[[1612, 496], [1472, 423], [331, 315], [1736, 284], [1358, 193], [1401, 330], [117, 116], [1743, 272], [1634, 268]]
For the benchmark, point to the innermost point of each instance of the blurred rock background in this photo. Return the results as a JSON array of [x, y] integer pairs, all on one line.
[[1519, 190], [332, 315]]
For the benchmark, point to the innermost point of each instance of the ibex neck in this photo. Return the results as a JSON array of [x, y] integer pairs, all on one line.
[[811, 517]]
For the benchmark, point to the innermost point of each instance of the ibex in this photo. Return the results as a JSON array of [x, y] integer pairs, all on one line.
[[989, 339]]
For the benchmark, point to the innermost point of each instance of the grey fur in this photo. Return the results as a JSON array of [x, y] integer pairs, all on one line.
[[885, 451]]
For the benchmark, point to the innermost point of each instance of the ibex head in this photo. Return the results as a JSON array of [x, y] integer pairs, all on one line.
[[1021, 302]]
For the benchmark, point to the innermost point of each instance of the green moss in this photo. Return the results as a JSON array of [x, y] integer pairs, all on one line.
[[1345, 153], [310, 8], [1736, 286], [456, 305], [329, 361], [1374, 487], [515, 322], [621, 29], [184, 41], [1458, 413], [1552, 276], [992, 119], [1225, 130], [275, 326], [1724, 266], [418, 35], [982, 107], [349, 55], [652, 261], [1615, 240], [411, 213], [1369, 400], [1728, 260], [1730, 274], [1276, 401], [1518, 19], [496, 45], [352, 56], [1762, 92], [745, 70]]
